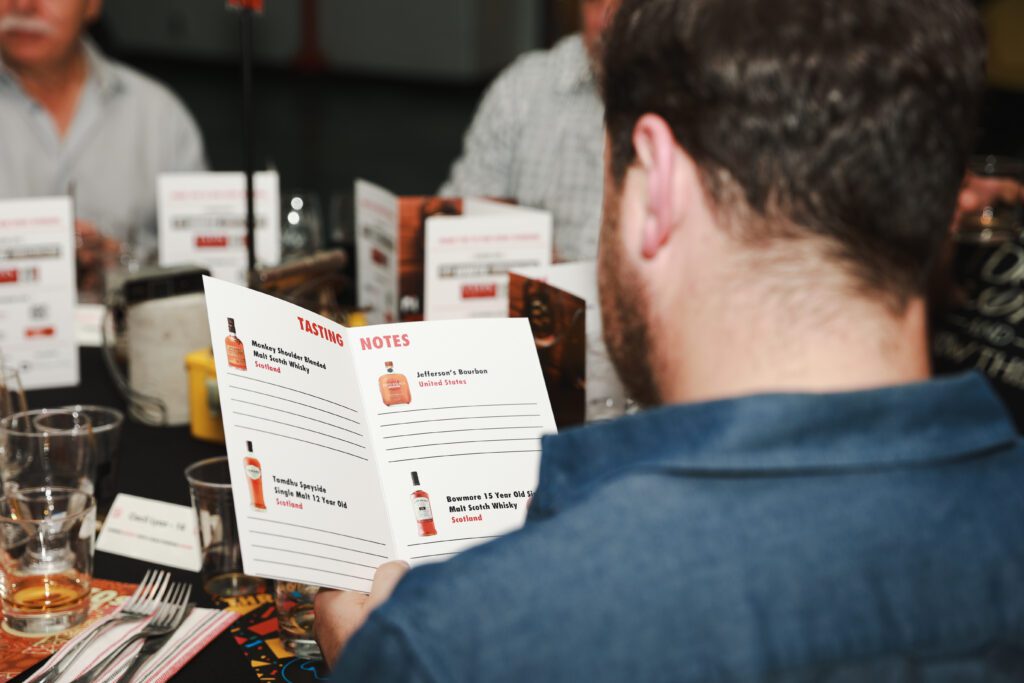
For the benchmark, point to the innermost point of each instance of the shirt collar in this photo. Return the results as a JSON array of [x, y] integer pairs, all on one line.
[[575, 73], [101, 70], [780, 434]]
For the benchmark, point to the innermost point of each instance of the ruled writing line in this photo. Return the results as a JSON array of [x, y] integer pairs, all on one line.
[[479, 405], [455, 443], [453, 540], [292, 438], [304, 429], [457, 455], [337, 547], [452, 419], [281, 386], [292, 580], [304, 405], [304, 417], [313, 528], [311, 569], [420, 557], [320, 557], [457, 431]]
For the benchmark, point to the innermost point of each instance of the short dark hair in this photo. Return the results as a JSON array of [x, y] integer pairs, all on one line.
[[848, 119]]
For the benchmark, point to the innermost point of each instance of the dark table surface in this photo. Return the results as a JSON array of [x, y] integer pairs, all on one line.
[[152, 464]]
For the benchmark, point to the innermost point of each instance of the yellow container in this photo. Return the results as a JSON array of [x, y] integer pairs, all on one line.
[[203, 397]]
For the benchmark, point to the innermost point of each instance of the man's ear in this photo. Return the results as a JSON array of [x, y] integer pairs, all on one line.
[[93, 9], [657, 155]]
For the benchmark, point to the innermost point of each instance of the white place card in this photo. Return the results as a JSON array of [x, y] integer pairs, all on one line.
[[201, 221], [151, 531], [38, 292]]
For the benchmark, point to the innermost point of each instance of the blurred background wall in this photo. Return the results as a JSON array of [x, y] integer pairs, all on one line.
[[384, 89]]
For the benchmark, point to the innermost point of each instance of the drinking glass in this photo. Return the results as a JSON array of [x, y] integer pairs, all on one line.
[[106, 432], [995, 184], [40, 448], [295, 616], [210, 485], [46, 535], [12, 396], [301, 225]]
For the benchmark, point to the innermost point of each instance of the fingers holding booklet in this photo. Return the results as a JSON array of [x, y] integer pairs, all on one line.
[[351, 447]]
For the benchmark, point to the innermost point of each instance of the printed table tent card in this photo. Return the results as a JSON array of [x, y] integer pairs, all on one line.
[[440, 258], [561, 303], [201, 221], [38, 292], [350, 447]]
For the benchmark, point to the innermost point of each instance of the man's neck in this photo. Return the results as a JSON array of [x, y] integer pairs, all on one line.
[[859, 345], [57, 86]]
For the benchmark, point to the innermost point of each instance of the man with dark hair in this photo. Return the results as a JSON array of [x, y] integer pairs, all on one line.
[[806, 504]]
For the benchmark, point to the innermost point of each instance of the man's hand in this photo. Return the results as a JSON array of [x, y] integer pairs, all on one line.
[[94, 253], [981, 191], [337, 615]]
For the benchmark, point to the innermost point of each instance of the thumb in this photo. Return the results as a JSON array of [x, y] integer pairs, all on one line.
[[385, 579]]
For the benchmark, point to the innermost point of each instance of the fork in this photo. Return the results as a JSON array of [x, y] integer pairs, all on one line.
[[142, 603], [169, 617], [150, 647]]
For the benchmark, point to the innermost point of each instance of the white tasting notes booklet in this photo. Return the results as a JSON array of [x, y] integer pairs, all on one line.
[[201, 221], [38, 291], [351, 447]]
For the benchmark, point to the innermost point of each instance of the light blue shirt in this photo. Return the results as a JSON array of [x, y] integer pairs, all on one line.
[[127, 129]]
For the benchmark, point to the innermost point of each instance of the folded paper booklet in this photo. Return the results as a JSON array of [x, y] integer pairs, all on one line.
[[351, 447]]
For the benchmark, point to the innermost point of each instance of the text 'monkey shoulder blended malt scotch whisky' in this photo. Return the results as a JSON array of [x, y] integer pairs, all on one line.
[[394, 388], [254, 475], [421, 509], [235, 347]]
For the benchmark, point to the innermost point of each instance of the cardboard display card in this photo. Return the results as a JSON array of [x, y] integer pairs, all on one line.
[[561, 303], [350, 447], [201, 221], [468, 258], [439, 258], [38, 291]]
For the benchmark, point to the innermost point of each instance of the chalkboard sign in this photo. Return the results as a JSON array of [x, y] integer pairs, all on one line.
[[981, 325]]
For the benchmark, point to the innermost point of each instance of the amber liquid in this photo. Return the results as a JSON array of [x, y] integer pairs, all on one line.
[[39, 595]]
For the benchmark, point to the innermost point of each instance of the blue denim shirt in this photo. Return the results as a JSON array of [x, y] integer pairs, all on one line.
[[870, 536]]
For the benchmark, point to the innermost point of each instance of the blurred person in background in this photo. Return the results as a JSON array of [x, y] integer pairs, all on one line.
[[538, 136], [72, 121], [806, 503]]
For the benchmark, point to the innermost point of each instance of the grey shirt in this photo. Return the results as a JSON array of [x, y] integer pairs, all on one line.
[[538, 138], [127, 129]]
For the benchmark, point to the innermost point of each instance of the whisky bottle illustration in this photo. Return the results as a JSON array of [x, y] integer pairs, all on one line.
[[254, 474], [421, 509], [394, 388], [235, 347]]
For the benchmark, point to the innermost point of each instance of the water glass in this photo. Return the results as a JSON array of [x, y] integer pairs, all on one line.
[[47, 539], [40, 448], [295, 616], [106, 433], [301, 225], [210, 485]]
